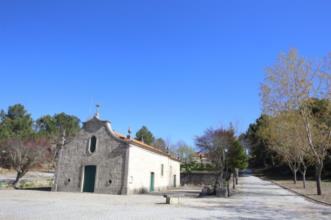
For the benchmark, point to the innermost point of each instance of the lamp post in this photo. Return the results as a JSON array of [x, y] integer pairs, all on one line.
[[225, 161], [227, 191]]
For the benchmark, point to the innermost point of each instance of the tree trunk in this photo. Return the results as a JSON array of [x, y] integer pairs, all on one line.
[[234, 180], [318, 174], [304, 178], [237, 175], [303, 172], [218, 181], [265, 163], [19, 175], [295, 176], [228, 188], [293, 167], [273, 161]]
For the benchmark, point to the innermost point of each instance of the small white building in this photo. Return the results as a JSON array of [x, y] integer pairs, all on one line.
[[101, 160], [201, 158]]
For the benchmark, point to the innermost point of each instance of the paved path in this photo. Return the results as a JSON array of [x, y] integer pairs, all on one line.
[[255, 199]]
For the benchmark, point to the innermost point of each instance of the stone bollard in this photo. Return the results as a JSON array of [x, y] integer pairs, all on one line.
[[167, 199], [171, 200]]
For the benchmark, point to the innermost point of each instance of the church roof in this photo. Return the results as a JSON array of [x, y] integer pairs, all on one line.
[[144, 146], [135, 142]]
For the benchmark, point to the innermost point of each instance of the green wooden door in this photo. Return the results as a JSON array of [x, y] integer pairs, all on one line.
[[175, 183], [89, 178], [151, 187]]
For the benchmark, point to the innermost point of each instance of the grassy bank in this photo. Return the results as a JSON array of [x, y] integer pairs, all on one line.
[[36, 179], [310, 190], [285, 179]]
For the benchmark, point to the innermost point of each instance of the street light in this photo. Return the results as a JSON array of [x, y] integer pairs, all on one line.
[[226, 173]]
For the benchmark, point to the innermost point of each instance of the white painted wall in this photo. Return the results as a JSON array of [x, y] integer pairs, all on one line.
[[142, 162]]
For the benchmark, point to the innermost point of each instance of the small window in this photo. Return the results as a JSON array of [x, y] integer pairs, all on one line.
[[93, 144], [162, 169]]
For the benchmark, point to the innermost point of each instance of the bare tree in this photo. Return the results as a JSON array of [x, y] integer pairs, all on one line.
[[24, 154], [290, 85], [185, 153], [215, 143]]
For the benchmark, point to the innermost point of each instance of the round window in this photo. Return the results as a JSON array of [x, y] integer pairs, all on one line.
[[93, 144]]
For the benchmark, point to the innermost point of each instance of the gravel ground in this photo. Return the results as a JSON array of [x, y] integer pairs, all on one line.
[[255, 199]]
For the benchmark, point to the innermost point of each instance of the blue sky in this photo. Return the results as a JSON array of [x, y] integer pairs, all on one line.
[[177, 67]]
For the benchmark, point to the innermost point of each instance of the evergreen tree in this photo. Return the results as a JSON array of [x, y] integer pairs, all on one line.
[[59, 129], [16, 122], [237, 157], [145, 135]]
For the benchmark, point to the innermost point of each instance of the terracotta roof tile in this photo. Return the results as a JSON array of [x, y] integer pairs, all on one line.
[[145, 146]]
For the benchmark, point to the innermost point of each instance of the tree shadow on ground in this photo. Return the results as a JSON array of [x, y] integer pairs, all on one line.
[[257, 188], [46, 189], [259, 194], [180, 193]]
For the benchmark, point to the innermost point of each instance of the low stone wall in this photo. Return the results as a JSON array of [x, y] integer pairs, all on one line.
[[197, 178]]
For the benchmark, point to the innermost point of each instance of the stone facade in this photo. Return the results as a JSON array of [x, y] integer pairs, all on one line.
[[109, 158], [123, 165]]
